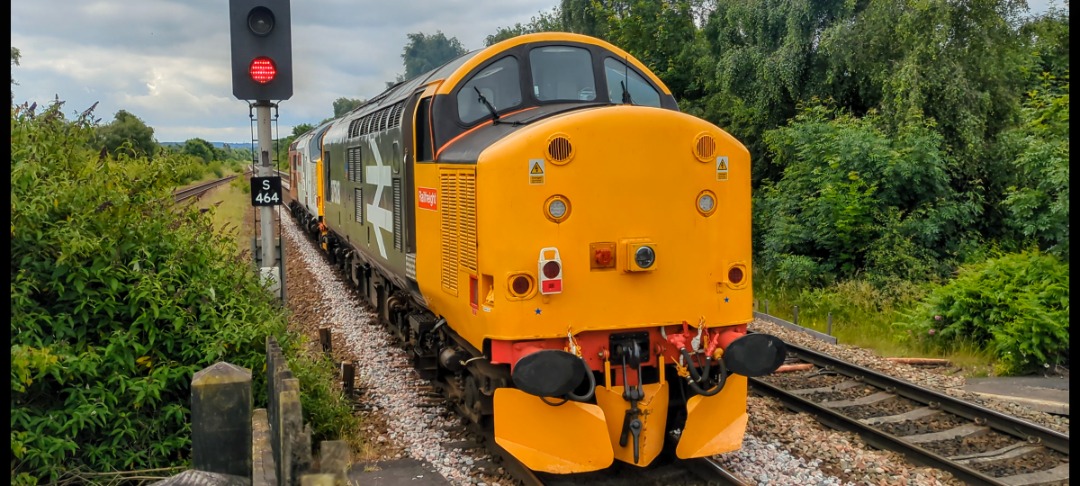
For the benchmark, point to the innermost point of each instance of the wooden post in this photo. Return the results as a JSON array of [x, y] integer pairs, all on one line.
[[796, 315], [324, 339], [348, 378], [828, 324], [221, 420]]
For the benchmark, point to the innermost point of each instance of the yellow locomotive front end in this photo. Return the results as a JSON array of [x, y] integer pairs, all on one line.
[[602, 252]]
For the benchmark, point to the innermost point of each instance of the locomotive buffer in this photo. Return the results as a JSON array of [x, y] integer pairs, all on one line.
[[262, 73]]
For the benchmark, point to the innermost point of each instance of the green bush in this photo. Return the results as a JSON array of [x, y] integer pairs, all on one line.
[[1015, 306], [216, 168], [187, 168], [856, 201], [117, 299]]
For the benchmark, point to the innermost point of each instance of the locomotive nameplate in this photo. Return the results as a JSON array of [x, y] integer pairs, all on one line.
[[266, 191]]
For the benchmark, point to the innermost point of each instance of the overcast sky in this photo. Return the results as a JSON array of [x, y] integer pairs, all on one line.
[[168, 61]]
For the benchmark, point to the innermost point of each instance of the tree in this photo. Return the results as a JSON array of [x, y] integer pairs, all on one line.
[[1036, 203], [545, 22], [960, 64], [200, 148], [854, 201], [585, 16], [127, 134], [426, 52], [661, 34], [344, 105], [304, 128], [763, 58]]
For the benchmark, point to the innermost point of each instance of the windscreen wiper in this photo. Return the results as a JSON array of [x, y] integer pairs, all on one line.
[[626, 94], [491, 109]]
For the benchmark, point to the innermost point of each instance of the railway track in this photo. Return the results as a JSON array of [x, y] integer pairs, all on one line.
[[975, 444], [186, 193]]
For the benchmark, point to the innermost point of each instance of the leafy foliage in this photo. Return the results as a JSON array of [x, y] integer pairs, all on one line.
[[549, 21], [117, 299], [852, 200], [426, 52], [661, 35], [127, 135], [342, 106], [200, 148], [764, 59], [1036, 203], [1015, 306]]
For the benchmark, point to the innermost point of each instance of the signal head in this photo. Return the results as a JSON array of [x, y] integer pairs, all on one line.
[[261, 49]]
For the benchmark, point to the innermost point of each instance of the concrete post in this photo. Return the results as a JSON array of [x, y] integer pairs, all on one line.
[[221, 420], [335, 460], [317, 480]]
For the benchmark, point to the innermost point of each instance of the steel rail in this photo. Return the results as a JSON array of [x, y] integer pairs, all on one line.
[[708, 469], [998, 421], [872, 436]]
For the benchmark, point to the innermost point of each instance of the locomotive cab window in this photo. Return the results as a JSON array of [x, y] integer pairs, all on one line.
[[495, 88], [562, 73], [637, 90]]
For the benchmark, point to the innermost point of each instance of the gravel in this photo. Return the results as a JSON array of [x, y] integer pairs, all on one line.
[[780, 448], [402, 421]]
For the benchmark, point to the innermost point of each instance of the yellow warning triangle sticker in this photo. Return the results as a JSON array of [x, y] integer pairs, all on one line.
[[721, 164], [536, 169]]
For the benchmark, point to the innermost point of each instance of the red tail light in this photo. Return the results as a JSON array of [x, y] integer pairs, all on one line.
[[550, 270], [735, 275]]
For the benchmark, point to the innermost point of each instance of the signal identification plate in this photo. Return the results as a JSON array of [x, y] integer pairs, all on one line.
[[266, 191]]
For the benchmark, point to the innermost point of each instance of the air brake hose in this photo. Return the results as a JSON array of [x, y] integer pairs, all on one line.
[[697, 378], [690, 365], [592, 386]]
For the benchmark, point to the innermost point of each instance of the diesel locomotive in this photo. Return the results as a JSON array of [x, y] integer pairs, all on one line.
[[555, 243]]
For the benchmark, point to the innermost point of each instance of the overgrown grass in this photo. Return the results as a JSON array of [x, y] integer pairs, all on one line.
[[864, 316], [231, 205]]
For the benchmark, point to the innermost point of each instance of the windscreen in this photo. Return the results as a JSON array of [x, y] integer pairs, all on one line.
[[562, 73]]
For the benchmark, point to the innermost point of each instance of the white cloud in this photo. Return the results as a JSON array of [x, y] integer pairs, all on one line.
[[168, 61]]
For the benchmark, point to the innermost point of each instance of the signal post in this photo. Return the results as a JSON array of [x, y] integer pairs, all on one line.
[[262, 73]]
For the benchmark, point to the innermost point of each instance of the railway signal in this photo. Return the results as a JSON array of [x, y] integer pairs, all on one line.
[[261, 37], [261, 49]]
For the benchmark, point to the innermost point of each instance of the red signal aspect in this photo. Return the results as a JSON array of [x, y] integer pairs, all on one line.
[[263, 70]]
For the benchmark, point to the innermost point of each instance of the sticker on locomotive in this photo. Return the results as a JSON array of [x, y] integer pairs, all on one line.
[[721, 168], [536, 171], [427, 198]]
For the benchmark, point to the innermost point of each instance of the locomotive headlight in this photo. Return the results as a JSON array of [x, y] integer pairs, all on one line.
[[557, 208], [706, 203], [644, 256], [639, 255]]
